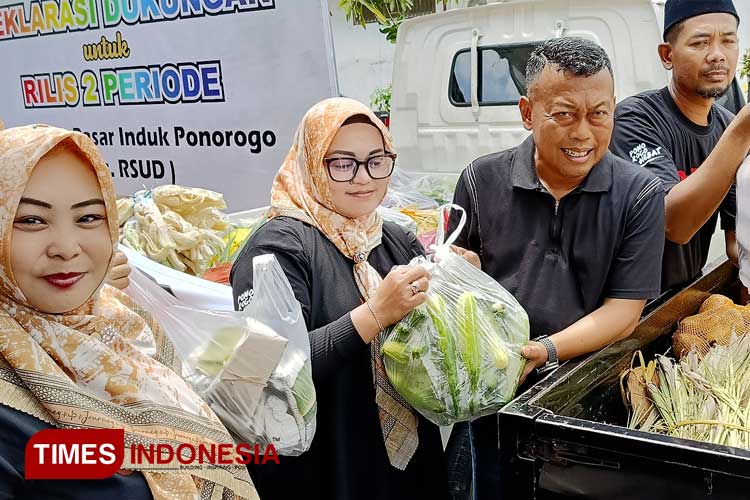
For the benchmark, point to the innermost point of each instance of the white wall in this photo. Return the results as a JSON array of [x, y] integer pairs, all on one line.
[[364, 58]]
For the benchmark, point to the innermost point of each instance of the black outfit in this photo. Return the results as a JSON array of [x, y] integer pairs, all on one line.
[[17, 428], [603, 239], [651, 131], [559, 260], [347, 459]]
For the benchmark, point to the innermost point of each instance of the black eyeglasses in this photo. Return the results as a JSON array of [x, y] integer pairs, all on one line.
[[345, 169]]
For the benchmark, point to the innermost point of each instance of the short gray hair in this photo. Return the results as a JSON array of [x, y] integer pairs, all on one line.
[[573, 55]]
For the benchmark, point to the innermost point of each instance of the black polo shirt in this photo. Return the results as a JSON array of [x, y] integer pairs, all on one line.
[[561, 260]]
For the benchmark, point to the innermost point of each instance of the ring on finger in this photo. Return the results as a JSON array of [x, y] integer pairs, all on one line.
[[415, 288]]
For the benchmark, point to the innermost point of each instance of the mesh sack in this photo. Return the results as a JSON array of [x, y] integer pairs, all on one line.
[[717, 320]]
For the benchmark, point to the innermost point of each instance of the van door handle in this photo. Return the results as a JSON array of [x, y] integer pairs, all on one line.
[[475, 73]]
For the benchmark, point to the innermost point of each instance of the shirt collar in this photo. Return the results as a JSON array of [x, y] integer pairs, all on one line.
[[524, 174]]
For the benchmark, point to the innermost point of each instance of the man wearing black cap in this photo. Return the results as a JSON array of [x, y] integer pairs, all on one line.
[[693, 145]]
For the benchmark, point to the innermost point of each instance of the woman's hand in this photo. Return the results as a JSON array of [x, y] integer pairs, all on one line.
[[536, 356], [471, 257], [119, 276], [400, 292]]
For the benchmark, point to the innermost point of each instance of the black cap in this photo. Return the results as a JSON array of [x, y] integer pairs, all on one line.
[[676, 11]]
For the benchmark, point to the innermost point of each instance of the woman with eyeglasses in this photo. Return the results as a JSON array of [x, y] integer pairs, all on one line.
[[349, 271]]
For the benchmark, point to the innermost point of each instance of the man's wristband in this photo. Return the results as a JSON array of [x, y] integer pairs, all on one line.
[[552, 359]]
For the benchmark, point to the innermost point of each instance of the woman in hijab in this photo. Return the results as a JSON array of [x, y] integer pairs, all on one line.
[[339, 257], [71, 346]]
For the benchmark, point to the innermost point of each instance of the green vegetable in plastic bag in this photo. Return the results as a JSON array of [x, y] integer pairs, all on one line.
[[446, 344], [411, 377], [303, 391], [457, 357], [213, 355]]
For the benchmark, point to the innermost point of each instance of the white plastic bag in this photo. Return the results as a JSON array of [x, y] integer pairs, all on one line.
[[190, 290], [253, 366], [287, 413], [743, 220], [208, 342], [457, 357]]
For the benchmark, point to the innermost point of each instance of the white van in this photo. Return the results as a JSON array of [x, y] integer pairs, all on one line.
[[458, 74]]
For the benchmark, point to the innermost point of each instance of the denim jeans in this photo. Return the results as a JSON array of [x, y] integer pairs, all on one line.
[[461, 459], [487, 458]]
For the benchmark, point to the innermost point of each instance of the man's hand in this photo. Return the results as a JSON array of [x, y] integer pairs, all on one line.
[[470, 257], [119, 276], [692, 201], [536, 356]]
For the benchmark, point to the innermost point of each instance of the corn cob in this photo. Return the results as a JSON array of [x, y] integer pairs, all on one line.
[[468, 328], [437, 311]]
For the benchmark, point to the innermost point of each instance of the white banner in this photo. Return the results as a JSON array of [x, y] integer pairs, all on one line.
[[203, 93]]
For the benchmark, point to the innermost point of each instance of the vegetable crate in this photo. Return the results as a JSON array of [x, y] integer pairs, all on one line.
[[566, 437]]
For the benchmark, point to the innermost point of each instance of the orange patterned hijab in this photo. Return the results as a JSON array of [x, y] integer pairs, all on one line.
[[108, 359], [301, 190]]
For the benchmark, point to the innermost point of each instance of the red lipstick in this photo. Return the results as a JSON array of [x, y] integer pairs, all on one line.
[[63, 280]]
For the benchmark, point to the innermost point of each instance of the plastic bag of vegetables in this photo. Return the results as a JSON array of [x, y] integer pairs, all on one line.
[[250, 366], [403, 194], [289, 401], [393, 215], [420, 190], [457, 357], [208, 341]]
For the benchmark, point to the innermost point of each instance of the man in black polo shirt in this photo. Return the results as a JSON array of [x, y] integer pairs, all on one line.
[[693, 145], [571, 230]]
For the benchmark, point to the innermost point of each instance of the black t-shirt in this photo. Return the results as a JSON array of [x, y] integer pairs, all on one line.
[[16, 428], [560, 261], [347, 458], [651, 131]]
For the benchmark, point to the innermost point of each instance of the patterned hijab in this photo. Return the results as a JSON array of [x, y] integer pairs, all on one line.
[[301, 190], [106, 360]]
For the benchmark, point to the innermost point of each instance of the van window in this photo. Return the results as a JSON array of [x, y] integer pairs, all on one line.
[[503, 75]]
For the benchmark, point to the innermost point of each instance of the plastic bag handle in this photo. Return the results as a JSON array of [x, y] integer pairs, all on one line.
[[266, 275], [440, 240]]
